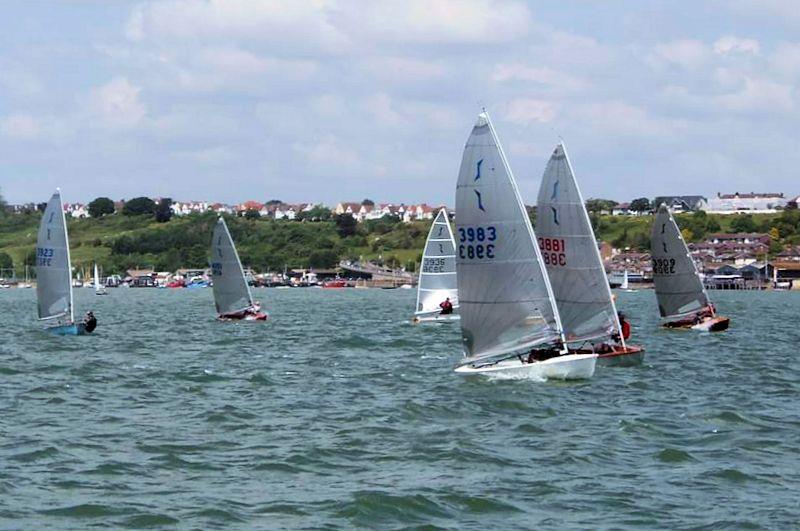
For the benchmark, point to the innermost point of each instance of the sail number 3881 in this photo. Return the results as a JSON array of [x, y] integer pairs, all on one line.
[[475, 242], [553, 251]]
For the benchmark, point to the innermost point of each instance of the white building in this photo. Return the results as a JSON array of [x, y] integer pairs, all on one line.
[[751, 203]]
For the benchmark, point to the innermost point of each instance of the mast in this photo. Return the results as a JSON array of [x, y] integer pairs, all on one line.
[[69, 259]]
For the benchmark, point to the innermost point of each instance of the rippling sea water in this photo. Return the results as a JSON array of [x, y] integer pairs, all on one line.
[[338, 413]]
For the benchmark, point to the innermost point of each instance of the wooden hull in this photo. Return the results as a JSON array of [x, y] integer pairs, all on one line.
[[709, 324], [629, 356]]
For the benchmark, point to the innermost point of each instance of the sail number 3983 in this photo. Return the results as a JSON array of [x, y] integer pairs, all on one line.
[[475, 242]]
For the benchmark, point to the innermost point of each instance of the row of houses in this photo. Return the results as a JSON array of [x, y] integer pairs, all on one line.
[[729, 260], [736, 203], [367, 211]]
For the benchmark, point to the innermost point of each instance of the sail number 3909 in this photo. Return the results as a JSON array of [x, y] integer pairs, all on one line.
[[663, 266], [475, 242]]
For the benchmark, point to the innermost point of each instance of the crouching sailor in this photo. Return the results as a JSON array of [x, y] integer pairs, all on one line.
[[90, 322]]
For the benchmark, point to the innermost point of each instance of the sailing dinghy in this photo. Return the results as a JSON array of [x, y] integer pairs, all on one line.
[[569, 249], [437, 278], [232, 295], [682, 299], [510, 326], [99, 289], [54, 272]]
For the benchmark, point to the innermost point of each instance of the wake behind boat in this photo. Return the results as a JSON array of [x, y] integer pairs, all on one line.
[[510, 326], [682, 299], [589, 317], [232, 295], [437, 291], [54, 274]]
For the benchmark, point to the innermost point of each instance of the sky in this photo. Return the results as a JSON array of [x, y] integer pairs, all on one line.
[[328, 101]]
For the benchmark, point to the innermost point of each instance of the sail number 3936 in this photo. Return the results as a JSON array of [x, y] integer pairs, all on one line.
[[475, 242]]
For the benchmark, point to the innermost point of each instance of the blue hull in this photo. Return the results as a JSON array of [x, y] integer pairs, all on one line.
[[75, 329]]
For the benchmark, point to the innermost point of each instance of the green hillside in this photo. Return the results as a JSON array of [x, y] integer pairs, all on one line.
[[119, 242]]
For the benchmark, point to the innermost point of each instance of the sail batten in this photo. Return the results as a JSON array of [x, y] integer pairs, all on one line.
[[53, 267], [679, 290], [572, 258], [231, 291], [506, 301], [437, 278]]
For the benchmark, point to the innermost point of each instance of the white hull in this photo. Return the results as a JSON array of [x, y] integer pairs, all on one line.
[[567, 367], [436, 318]]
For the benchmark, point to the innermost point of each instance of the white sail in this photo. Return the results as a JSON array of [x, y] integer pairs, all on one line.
[[506, 303], [437, 278], [53, 267], [97, 286], [231, 291], [679, 289], [570, 253], [624, 284]]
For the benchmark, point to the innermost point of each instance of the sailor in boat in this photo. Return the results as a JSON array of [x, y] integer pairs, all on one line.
[[446, 306], [625, 328], [542, 354], [90, 322]]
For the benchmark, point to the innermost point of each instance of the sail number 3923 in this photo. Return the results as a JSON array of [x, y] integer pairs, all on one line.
[[475, 242], [44, 256]]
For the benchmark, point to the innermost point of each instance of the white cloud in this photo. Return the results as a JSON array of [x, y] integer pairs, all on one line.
[[523, 111], [286, 25], [440, 21], [621, 118], [730, 44], [759, 95], [20, 126], [786, 59], [117, 104], [687, 53], [543, 75]]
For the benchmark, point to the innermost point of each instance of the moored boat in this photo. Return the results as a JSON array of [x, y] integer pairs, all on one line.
[[510, 326], [682, 299], [566, 240]]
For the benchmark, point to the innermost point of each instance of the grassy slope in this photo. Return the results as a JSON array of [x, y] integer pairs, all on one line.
[[120, 242]]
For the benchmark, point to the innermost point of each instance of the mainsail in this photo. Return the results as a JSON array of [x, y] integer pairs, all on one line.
[[679, 289], [53, 268], [231, 292], [570, 253], [506, 303], [437, 278]]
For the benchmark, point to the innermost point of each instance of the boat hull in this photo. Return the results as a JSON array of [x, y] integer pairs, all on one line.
[[709, 324], [630, 356], [566, 367], [74, 329], [713, 324], [260, 316], [436, 318]]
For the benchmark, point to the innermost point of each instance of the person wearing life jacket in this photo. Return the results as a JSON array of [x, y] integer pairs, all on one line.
[[90, 322], [446, 306], [624, 326]]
